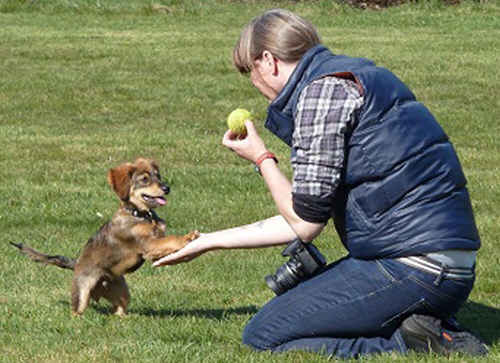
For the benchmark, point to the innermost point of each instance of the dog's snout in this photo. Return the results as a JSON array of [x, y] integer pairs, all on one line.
[[165, 188]]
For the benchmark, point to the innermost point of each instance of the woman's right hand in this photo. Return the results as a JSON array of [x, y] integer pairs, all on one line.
[[250, 147], [192, 250]]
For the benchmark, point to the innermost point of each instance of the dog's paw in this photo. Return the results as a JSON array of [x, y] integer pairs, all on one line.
[[191, 236]]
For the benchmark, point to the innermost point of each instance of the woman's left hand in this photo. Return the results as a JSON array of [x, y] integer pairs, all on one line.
[[250, 147], [192, 250]]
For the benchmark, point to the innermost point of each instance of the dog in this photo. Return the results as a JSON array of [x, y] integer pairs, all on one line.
[[134, 234]]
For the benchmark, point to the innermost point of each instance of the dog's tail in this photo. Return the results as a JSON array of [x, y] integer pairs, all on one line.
[[60, 261]]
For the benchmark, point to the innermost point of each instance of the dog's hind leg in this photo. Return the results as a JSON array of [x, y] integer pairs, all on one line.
[[118, 295], [80, 291]]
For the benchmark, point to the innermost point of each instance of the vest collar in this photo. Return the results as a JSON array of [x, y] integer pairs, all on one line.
[[280, 119]]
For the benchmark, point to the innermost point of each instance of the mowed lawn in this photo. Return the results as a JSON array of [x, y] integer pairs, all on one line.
[[86, 85]]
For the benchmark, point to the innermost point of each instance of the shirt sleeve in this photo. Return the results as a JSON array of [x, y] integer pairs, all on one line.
[[326, 110]]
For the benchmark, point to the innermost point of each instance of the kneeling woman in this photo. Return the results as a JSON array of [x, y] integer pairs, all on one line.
[[367, 154]]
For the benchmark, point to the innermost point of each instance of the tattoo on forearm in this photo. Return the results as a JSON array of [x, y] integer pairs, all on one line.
[[259, 225]]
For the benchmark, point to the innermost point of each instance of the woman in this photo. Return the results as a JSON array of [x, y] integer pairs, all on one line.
[[368, 155]]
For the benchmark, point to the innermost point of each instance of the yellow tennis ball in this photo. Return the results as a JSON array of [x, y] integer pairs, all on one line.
[[236, 121]]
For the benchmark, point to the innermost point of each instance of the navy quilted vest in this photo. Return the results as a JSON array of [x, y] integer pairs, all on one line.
[[403, 191]]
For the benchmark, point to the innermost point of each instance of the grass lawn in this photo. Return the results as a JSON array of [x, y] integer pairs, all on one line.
[[88, 84]]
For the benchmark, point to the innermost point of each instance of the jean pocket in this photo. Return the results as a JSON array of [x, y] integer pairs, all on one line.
[[448, 292], [385, 271], [417, 307]]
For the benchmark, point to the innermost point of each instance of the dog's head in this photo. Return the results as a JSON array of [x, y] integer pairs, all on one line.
[[139, 184]]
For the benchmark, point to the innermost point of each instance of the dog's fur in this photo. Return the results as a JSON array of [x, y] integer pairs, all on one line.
[[135, 233]]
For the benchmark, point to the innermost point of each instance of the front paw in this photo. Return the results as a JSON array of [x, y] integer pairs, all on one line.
[[191, 236]]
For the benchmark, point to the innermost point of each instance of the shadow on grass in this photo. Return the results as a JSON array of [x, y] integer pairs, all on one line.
[[216, 314], [481, 319]]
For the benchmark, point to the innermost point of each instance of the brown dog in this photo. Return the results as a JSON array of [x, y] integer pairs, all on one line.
[[135, 233]]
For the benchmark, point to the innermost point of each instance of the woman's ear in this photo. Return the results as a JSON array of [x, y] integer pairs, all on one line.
[[270, 61]]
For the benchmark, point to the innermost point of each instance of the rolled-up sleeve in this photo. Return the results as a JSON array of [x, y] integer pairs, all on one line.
[[326, 110]]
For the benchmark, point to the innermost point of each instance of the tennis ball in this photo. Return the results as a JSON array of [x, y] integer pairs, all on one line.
[[236, 121]]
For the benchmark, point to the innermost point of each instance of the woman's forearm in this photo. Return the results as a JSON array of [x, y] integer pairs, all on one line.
[[269, 232]]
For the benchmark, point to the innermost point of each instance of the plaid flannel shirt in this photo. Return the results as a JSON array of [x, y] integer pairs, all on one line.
[[326, 110]]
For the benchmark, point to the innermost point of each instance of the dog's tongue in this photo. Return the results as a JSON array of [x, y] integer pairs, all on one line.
[[160, 201]]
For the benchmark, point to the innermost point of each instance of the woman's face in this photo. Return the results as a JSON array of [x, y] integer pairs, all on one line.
[[262, 78], [269, 75]]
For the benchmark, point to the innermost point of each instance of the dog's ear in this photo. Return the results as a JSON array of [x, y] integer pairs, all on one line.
[[154, 165], [120, 178]]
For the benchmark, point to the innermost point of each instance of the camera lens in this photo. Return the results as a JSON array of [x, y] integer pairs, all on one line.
[[305, 261], [286, 277], [273, 285]]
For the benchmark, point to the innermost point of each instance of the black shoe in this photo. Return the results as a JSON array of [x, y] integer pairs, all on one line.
[[424, 333]]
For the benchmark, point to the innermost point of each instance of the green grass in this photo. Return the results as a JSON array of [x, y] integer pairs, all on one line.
[[85, 85]]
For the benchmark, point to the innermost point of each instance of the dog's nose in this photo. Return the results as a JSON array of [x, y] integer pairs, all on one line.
[[165, 188]]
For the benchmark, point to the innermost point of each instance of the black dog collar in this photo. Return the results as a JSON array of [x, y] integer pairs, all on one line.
[[142, 214]]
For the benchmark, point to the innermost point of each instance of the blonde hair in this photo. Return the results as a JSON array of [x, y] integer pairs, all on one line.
[[286, 35]]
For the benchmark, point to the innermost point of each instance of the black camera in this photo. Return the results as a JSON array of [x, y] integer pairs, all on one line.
[[305, 261]]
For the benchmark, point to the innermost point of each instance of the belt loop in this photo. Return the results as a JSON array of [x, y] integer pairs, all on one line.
[[440, 277]]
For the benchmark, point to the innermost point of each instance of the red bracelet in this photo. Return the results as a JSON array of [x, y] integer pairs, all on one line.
[[264, 156]]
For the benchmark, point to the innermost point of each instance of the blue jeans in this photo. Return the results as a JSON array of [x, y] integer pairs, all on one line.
[[355, 307]]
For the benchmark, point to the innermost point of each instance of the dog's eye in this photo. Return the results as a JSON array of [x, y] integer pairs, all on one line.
[[144, 179]]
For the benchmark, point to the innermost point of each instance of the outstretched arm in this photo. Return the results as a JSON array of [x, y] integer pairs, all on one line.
[[266, 233]]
